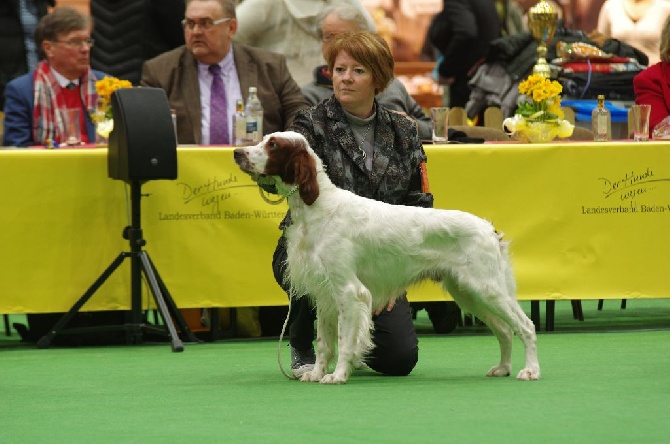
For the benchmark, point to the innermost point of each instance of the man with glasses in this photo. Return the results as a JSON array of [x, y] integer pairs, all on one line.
[[62, 79], [209, 69]]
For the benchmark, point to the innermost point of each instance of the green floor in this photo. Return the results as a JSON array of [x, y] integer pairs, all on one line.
[[604, 380]]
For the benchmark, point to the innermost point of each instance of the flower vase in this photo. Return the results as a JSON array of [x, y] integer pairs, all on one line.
[[104, 125], [527, 131], [102, 129]]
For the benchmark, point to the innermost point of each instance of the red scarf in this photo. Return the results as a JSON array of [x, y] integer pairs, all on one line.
[[49, 98]]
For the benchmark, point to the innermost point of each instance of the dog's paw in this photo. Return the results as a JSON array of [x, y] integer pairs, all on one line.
[[499, 370], [311, 376], [333, 378], [529, 374]]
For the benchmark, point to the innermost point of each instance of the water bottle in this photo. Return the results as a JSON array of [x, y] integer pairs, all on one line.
[[254, 113], [601, 121], [239, 124]]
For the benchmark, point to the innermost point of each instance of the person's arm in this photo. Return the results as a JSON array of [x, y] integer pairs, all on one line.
[[315, 94], [604, 26], [649, 90], [418, 192], [254, 18], [289, 93], [18, 123], [414, 110], [148, 78]]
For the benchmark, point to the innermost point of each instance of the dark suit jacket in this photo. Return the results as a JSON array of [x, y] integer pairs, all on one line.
[[652, 86], [176, 72], [19, 105]]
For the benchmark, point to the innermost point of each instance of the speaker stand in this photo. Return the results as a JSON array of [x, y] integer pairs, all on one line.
[[139, 263]]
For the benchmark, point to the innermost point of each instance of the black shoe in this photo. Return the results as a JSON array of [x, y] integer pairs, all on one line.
[[302, 361]]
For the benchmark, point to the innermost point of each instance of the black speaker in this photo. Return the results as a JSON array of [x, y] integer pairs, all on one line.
[[142, 145]]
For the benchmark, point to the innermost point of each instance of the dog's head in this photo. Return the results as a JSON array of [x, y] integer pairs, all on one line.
[[288, 158]]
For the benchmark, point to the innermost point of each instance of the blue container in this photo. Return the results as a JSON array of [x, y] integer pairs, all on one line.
[[583, 109]]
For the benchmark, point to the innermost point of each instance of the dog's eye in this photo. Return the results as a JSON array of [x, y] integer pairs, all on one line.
[[272, 145]]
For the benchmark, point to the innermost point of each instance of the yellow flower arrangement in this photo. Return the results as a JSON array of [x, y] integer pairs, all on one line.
[[538, 117], [105, 87], [102, 117]]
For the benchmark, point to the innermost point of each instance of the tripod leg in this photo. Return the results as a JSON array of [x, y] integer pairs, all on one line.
[[172, 307], [45, 341], [177, 345]]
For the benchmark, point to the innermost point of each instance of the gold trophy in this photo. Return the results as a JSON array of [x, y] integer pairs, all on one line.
[[542, 21]]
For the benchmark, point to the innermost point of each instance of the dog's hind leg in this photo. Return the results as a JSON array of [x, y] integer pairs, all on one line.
[[505, 317], [526, 331], [505, 336]]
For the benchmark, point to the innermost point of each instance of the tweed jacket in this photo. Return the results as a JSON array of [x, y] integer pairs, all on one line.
[[395, 176], [176, 72], [652, 86]]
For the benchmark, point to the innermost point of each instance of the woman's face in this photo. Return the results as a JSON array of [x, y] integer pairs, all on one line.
[[353, 85]]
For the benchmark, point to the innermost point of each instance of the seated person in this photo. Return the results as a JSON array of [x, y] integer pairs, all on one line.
[[63, 80], [336, 20], [288, 27], [652, 86], [186, 74], [637, 23]]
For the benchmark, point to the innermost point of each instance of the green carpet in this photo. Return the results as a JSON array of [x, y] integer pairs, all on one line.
[[606, 385]]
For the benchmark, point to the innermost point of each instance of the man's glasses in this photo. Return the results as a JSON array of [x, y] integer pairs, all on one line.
[[77, 43], [205, 25]]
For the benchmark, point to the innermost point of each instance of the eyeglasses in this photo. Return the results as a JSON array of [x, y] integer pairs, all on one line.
[[77, 43], [205, 25]]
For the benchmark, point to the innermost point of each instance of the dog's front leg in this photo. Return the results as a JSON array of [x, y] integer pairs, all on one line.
[[353, 327], [326, 329]]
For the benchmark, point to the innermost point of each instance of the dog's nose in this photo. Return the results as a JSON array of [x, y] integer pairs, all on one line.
[[238, 154]]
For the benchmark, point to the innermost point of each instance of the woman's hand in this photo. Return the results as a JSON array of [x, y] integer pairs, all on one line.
[[389, 307]]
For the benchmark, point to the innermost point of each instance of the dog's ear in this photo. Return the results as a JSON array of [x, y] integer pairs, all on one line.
[[304, 168]]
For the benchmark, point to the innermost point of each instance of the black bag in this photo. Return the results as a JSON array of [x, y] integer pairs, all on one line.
[[613, 85]]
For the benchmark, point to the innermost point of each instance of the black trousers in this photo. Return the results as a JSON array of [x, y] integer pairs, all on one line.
[[396, 347]]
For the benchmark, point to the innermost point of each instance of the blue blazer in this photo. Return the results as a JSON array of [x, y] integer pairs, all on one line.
[[19, 95]]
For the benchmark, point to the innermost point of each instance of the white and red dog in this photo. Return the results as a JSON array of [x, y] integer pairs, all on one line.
[[353, 255]]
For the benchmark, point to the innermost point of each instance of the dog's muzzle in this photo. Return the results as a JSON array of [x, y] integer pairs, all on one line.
[[242, 160]]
